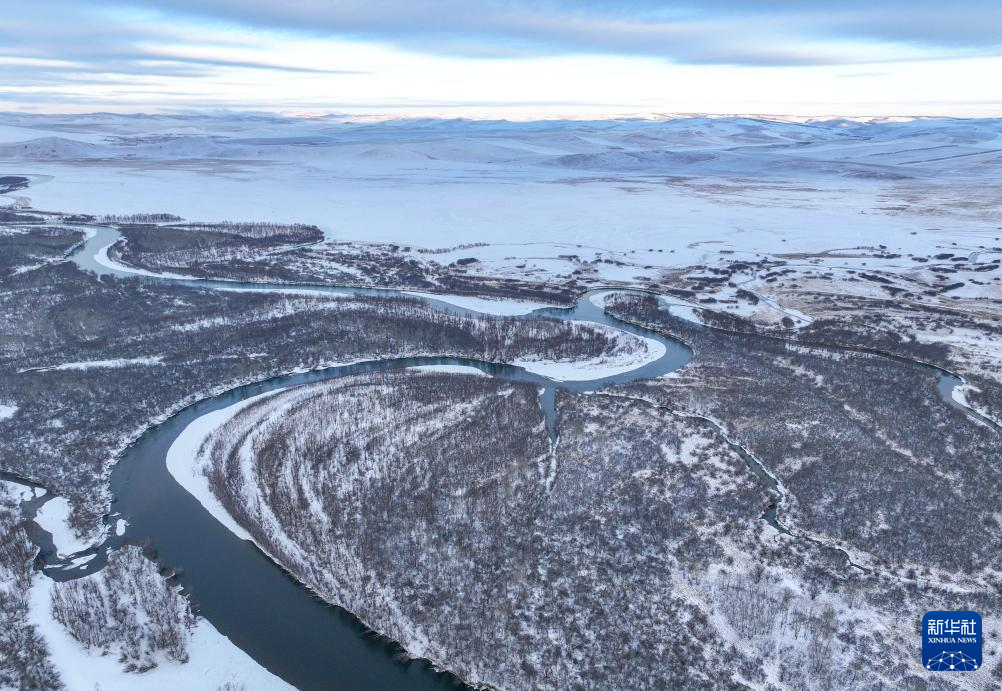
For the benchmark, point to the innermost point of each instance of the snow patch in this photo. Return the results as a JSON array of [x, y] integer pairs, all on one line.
[[501, 308], [53, 518], [7, 411], [452, 369], [959, 394], [92, 364], [686, 312], [79, 561]]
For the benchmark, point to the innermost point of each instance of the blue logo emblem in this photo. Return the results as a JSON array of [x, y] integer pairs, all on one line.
[[951, 641]]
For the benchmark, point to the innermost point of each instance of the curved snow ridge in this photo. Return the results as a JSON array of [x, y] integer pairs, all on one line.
[[183, 465]]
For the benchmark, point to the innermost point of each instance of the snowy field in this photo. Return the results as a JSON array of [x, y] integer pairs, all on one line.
[[644, 194]]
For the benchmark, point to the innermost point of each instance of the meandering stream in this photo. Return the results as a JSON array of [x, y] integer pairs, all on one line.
[[245, 595]]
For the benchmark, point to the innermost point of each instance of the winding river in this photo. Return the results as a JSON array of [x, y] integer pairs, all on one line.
[[246, 596]]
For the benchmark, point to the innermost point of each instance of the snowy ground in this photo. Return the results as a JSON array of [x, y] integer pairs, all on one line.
[[641, 195], [610, 202]]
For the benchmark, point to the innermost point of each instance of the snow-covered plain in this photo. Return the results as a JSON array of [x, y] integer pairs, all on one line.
[[522, 197]]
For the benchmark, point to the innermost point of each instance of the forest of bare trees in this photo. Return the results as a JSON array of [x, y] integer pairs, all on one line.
[[24, 654], [71, 421], [633, 549], [128, 610], [847, 420]]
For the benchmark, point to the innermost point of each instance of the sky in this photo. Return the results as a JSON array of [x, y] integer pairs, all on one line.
[[505, 58]]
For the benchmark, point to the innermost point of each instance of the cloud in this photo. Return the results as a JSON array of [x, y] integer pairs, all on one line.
[[59, 41], [746, 32], [171, 38], [303, 54]]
